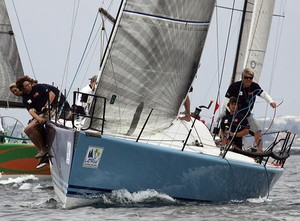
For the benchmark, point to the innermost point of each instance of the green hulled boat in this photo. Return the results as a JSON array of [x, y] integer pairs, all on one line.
[[18, 159], [16, 153]]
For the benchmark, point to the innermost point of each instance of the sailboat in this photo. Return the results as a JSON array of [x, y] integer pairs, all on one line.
[[132, 138], [16, 151]]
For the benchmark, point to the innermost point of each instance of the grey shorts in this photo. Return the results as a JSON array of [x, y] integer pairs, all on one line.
[[254, 126]]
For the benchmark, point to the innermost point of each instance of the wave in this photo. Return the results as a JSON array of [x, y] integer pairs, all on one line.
[[123, 198]]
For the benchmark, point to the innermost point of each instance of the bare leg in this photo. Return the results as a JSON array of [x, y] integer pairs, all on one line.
[[258, 141], [187, 113], [35, 136]]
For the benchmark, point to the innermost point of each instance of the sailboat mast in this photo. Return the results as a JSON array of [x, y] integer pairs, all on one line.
[[239, 42], [112, 34]]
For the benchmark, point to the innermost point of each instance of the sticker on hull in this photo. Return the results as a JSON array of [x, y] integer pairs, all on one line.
[[92, 157]]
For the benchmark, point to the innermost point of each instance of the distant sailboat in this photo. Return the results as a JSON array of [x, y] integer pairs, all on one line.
[[16, 156], [134, 140], [10, 63]]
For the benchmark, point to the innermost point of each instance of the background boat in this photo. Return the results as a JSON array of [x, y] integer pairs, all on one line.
[[16, 152]]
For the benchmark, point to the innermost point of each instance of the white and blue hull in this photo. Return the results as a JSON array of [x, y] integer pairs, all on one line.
[[86, 166]]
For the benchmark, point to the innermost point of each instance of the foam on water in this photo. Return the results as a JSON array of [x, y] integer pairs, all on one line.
[[25, 186], [18, 180], [141, 196], [259, 200], [124, 198]]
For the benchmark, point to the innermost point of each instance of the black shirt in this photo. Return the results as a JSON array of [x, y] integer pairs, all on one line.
[[238, 121], [245, 96], [39, 96]]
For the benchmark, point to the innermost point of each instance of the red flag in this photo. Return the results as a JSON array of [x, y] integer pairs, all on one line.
[[216, 107]]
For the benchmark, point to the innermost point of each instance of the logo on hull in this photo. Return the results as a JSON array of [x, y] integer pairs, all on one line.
[[92, 157]]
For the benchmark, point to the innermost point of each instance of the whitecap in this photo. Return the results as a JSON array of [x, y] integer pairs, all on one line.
[[25, 186], [259, 200], [124, 197], [140, 196], [18, 180]]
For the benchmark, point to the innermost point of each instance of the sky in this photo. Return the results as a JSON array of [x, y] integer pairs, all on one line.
[[46, 27]]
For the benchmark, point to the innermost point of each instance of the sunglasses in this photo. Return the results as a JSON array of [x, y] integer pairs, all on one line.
[[251, 78]]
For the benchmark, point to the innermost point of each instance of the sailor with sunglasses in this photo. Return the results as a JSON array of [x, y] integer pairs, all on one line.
[[245, 91]]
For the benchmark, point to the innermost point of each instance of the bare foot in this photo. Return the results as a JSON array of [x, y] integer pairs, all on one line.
[[259, 150], [186, 118]]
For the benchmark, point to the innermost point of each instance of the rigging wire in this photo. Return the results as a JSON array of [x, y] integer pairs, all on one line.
[[277, 43], [278, 36], [227, 42], [82, 57], [252, 40], [74, 18], [220, 76], [252, 100], [273, 118], [24, 40], [87, 49], [218, 71], [92, 54], [274, 61], [279, 29]]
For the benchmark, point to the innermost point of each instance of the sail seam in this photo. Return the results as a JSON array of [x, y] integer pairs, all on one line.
[[166, 18]]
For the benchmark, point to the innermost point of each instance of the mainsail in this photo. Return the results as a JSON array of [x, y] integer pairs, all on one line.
[[10, 64], [255, 35], [151, 61]]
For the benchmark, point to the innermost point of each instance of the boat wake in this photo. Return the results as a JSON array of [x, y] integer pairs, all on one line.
[[259, 200], [150, 197], [50, 203], [123, 198]]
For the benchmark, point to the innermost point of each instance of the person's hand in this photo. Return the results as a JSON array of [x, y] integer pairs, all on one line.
[[231, 134], [41, 120], [45, 109], [273, 104]]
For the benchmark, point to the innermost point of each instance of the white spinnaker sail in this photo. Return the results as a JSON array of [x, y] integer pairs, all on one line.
[[252, 52], [151, 62], [10, 64]]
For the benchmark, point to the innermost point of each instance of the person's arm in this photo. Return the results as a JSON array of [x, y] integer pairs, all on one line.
[[241, 133], [223, 109], [36, 116], [222, 132], [244, 127], [50, 100], [264, 95], [51, 97]]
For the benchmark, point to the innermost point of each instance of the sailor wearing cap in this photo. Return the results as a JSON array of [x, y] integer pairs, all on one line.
[[83, 99]]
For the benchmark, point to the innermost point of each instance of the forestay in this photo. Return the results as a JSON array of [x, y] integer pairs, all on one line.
[[150, 63], [10, 64]]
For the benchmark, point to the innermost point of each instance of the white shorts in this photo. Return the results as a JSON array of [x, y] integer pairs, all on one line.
[[254, 126]]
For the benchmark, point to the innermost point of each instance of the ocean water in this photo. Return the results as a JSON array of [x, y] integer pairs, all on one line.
[[27, 198]]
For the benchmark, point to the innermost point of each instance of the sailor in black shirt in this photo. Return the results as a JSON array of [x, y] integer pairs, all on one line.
[[234, 126], [246, 91]]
